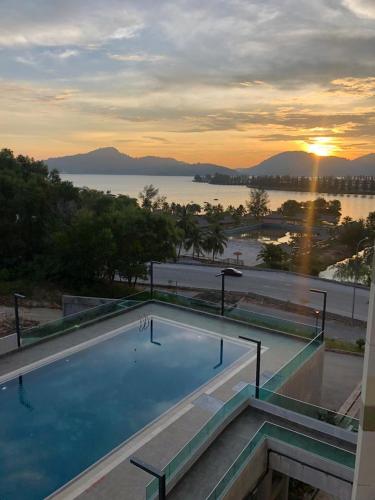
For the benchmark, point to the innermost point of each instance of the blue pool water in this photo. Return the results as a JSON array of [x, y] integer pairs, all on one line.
[[61, 418]]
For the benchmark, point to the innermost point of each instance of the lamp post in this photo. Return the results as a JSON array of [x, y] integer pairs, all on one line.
[[17, 317], [356, 275], [324, 293], [152, 262], [222, 274]]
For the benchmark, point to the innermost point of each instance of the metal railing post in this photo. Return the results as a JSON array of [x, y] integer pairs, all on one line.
[[259, 354], [17, 317], [154, 472], [324, 293]]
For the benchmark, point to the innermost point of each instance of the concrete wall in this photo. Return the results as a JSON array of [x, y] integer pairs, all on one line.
[[248, 478], [306, 383], [72, 304], [317, 471], [8, 343]]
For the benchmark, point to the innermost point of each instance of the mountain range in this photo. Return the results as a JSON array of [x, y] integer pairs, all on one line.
[[110, 161]]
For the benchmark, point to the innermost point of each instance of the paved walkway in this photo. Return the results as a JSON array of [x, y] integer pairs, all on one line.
[[342, 373]]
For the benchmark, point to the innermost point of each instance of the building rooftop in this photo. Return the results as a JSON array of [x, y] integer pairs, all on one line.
[[179, 435]]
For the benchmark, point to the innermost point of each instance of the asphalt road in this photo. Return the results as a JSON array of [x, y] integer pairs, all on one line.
[[275, 284]]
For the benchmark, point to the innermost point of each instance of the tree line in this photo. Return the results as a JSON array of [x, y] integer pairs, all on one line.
[[53, 231], [323, 184]]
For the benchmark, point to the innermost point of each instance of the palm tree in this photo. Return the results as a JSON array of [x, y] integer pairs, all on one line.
[[215, 241], [273, 256], [195, 240], [186, 224]]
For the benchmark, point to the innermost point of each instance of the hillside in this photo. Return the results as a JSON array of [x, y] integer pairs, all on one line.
[[304, 164], [111, 161]]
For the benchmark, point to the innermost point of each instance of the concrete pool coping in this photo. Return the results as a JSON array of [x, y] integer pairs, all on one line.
[[162, 439]]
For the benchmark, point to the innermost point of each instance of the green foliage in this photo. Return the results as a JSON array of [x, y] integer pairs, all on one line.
[[361, 344], [273, 256], [53, 231], [215, 240], [351, 232], [258, 203]]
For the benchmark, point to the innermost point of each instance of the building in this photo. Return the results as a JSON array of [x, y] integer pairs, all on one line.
[[153, 394]]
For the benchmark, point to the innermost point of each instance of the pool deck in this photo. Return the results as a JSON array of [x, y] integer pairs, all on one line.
[[114, 477]]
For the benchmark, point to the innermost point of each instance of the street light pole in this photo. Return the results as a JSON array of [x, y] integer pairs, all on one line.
[[324, 293], [356, 275], [222, 291], [17, 317], [152, 262]]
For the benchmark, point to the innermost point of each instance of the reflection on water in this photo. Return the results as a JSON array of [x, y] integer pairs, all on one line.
[[183, 190], [330, 272], [276, 237]]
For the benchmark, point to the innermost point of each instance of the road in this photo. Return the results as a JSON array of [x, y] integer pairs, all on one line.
[[278, 285]]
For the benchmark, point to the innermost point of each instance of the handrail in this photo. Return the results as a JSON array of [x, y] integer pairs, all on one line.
[[277, 378], [309, 410], [210, 427], [250, 317], [288, 436]]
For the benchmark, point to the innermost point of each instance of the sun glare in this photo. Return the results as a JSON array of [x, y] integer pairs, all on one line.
[[322, 146]]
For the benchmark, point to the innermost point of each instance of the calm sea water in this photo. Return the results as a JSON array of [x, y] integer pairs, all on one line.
[[183, 190]]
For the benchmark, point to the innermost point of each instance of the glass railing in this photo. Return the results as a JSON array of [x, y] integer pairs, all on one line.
[[256, 319], [190, 302], [292, 438], [272, 322], [104, 311], [283, 374], [75, 321], [309, 410], [188, 451]]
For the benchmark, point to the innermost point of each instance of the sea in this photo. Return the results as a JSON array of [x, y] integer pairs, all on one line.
[[183, 190]]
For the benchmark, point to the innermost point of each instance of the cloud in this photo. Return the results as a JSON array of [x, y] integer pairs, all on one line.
[[66, 54], [136, 57], [53, 23], [362, 8], [274, 70], [356, 86], [15, 92]]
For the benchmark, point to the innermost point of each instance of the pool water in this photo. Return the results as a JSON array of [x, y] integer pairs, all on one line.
[[59, 419]]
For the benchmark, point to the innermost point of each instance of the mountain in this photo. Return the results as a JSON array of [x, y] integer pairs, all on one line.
[[304, 164], [111, 161]]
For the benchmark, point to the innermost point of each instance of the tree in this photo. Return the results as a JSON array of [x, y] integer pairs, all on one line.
[[355, 269], [83, 251], [148, 195], [290, 208], [273, 256], [215, 240], [351, 232], [258, 203], [195, 240], [186, 224]]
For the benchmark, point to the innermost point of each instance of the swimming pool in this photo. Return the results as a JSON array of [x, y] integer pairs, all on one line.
[[59, 419]]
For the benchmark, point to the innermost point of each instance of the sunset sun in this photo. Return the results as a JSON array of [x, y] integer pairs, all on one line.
[[322, 146]]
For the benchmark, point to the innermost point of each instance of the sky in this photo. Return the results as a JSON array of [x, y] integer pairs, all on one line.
[[230, 82]]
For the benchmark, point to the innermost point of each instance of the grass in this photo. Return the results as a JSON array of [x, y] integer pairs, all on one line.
[[343, 345], [48, 294]]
